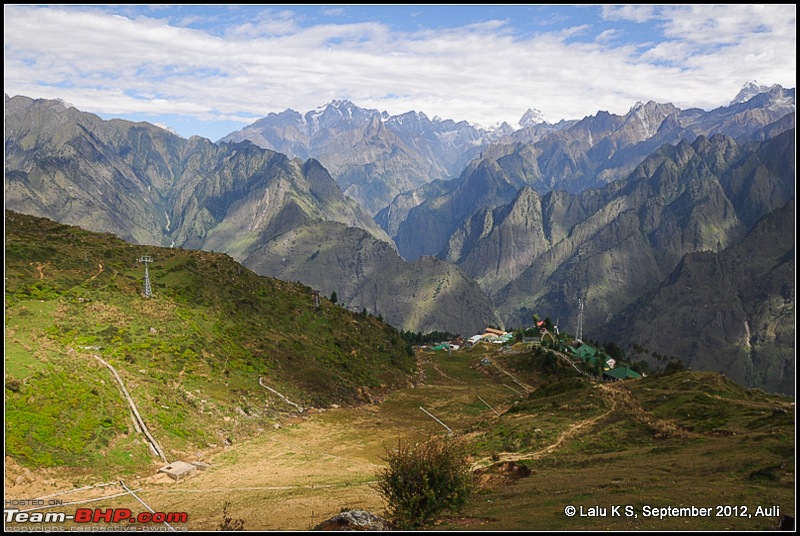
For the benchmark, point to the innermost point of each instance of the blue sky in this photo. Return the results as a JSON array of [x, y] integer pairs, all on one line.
[[209, 70]]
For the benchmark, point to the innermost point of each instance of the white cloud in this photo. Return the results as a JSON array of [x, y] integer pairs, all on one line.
[[481, 73], [730, 24], [629, 12], [267, 23], [566, 33], [607, 36], [190, 20]]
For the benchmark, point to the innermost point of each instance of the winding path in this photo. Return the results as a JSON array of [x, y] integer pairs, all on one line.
[[571, 431]]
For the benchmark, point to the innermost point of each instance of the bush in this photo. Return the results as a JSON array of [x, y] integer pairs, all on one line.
[[674, 366], [228, 523], [424, 480]]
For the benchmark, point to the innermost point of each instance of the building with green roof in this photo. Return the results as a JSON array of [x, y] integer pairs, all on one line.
[[622, 373], [585, 352]]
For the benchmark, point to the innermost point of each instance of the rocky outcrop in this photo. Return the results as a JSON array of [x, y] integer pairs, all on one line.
[[354, 520], [497, 245], [396, 213], [429, 225]]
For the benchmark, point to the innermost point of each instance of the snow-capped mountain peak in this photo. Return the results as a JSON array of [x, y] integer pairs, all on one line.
[[531, 118], [748, 91]]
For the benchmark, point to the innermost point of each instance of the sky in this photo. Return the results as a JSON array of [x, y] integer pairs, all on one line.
[[210, 70]]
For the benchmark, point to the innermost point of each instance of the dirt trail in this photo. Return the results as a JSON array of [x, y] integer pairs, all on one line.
[[137, 417], [101, 269], [40, 268], [572, 431]]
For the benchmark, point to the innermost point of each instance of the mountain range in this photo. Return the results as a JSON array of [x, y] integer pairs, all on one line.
[[604, 209], [636, 194], [628, 238], [150, 186], [587, 154], [373, 156]]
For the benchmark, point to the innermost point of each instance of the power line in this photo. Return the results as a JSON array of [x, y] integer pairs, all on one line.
[[148, 292]]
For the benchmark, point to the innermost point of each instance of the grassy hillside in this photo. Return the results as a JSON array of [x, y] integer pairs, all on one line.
[[688, 439], [191, 356]]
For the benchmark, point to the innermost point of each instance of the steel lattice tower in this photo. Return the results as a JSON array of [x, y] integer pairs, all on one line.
[[148, 292]]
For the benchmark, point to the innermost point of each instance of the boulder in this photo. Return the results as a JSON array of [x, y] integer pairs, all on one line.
[[354, 520]]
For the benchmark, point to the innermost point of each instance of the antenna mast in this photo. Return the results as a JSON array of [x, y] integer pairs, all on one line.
[[148, 292]]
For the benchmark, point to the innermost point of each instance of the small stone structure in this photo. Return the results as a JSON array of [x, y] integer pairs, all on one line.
[[179, 470]]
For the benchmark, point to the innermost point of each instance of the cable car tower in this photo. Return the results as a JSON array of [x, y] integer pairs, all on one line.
[[148, 292]]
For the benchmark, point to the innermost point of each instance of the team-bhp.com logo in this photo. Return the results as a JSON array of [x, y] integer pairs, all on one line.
[[95, 515]]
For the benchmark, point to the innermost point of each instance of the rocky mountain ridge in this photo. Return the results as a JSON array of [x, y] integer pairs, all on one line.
[[588, 154], [372, 155]]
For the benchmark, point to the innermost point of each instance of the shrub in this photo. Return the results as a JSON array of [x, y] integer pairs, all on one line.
[[674, 366], [424, 480], [228, 523], [14, 385]]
